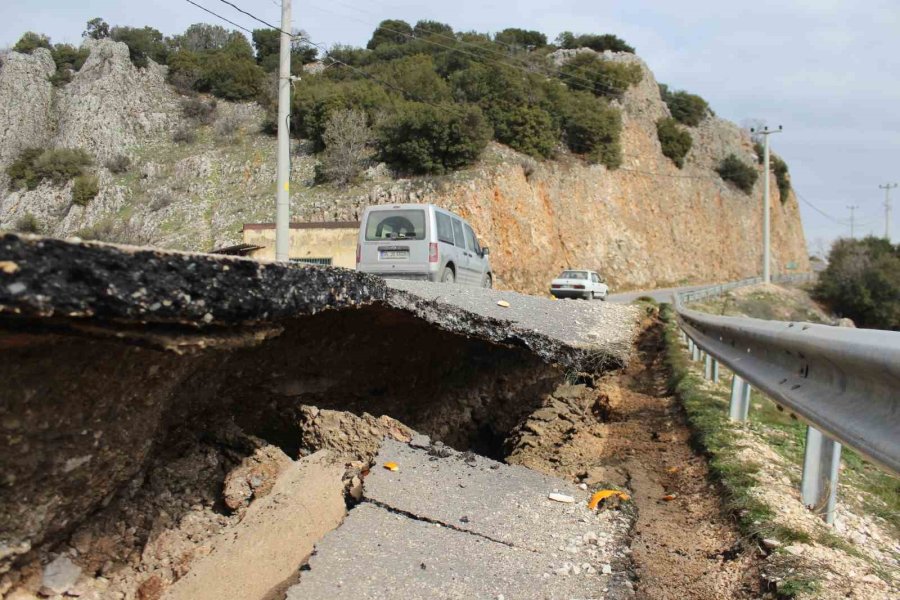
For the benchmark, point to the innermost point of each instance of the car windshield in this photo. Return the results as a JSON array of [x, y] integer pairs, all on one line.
[[574, 275], [396, 225]]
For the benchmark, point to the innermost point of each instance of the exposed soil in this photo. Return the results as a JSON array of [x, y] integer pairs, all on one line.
[[684, 545], [625, 431]]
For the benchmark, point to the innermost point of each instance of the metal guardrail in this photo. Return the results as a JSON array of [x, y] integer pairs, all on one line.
[[844, 382]]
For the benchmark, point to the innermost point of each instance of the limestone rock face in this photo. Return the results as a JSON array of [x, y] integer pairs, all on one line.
[[25, 102], [110, 105]]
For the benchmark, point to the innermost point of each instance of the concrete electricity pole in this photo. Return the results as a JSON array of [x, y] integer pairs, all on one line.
[[282, 198], [767, 249], [852, 221], [887, 209]]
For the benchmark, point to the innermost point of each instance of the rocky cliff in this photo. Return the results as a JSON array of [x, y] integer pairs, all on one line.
[[647, 223]]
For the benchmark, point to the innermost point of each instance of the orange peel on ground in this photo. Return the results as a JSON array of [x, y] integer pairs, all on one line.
[[391, 466], [602, 495]]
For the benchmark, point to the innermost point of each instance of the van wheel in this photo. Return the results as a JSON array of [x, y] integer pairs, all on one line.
[[448, 276], [488, 281]]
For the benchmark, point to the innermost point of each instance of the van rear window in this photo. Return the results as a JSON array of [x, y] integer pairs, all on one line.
[[396, 225]]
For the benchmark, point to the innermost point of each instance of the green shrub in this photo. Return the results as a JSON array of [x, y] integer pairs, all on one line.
[[27, 223], [59, 165], [782, 177], [592, 127], [599, 43], [85, 189], [198, 110], [675, 141], [267, 43], [779, 168], [521, 38], [118, 164], [96, 29], [528, 129], [69, 60], [862, 281], [30, 42], [314, 102], [603, 77], [144, 44], [687, 109], [230, 75], [421, 138], [390, 31], [738, 172], [427, 28], [184, 135], [416, 74]]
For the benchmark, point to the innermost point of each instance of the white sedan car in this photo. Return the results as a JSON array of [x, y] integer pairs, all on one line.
[[579, 284]]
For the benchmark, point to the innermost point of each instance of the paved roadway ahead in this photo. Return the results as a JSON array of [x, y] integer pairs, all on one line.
[[660, 295]]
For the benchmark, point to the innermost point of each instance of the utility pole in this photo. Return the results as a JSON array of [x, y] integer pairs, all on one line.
[[887, 209], [852, 221], [767, 247], [283, 183]]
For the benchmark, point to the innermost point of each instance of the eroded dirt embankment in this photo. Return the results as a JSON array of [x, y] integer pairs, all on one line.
[[150, 438]]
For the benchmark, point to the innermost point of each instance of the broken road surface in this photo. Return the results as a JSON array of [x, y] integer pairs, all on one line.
[[455, 525]]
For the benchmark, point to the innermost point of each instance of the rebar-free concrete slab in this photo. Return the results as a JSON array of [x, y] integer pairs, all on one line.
[[453, 525]]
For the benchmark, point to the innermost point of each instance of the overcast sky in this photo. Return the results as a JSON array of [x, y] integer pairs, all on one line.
[[827, 70]]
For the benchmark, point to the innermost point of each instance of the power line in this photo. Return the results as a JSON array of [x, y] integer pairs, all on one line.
[[219, 16], [254, 17]]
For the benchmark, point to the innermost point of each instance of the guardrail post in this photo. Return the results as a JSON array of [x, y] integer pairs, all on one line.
[[707, 366], [739, 407], [695, 353], [715, 371], [821, 464]]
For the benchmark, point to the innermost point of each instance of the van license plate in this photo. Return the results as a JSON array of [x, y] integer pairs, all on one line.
[[394, 254]]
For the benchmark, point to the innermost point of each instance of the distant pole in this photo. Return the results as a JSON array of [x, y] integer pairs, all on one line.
[[282, 198], [852, 221], [887, 209], [767, 246]]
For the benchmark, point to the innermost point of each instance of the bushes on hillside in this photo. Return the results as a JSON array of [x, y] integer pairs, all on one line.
[[421, 138], [57, 165], [592, 127], [84, 189], [144, 44], [347, 138], [69, 60], [199, 110], [118, 164], [27, 223], [779, 168], [687, 109], [599, 43], [390, 31], [862, 281], [521, 38], [314, 102], [30, 42], [738, 172], [675, 141], [267, 43], [602, 77]]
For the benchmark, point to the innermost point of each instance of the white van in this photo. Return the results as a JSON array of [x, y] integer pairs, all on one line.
[[421, 241]]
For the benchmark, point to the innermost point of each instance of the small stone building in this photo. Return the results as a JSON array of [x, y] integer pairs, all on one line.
[[325, 243]]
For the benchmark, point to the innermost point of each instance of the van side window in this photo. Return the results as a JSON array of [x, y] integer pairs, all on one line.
[[444, 228], [471, 243], [458, 233]]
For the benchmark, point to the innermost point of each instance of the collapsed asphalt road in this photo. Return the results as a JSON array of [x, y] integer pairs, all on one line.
[[139, 386]]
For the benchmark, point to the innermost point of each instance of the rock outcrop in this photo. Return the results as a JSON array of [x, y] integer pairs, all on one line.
[[644, 224], [110, 106], [25, 102]]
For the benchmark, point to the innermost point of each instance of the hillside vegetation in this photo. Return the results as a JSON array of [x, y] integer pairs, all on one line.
[[862, 282]]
